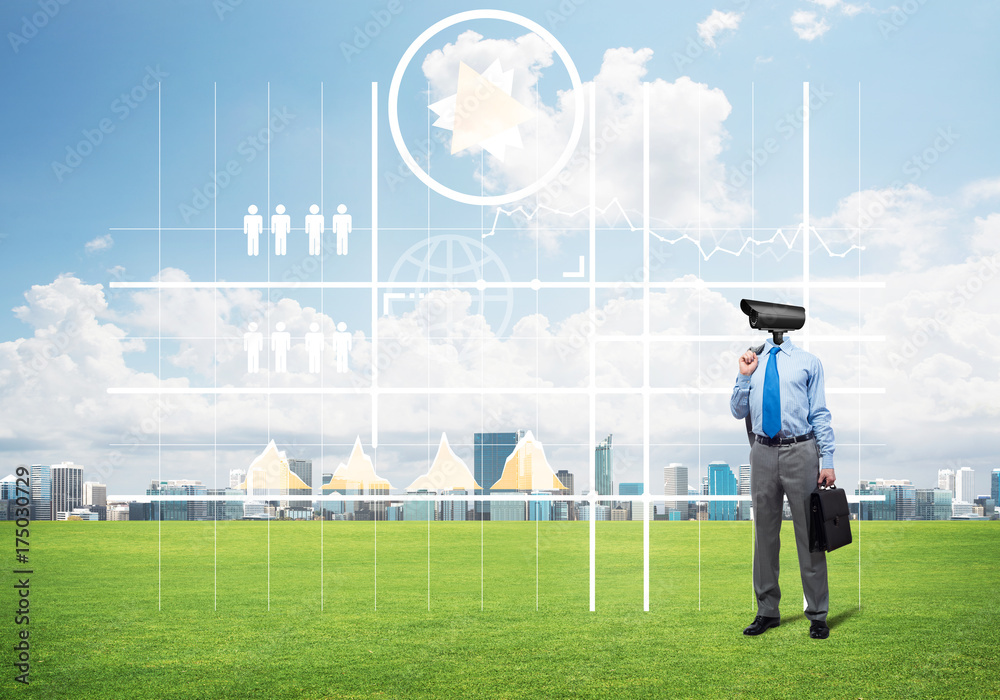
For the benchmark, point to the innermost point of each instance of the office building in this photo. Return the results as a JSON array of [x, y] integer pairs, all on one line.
[[490, 454], [225, 510], [67, 487], [77, 514], [41, 492], [987, 504], [965, 486], [302, 468], [601, 512], [95, 494], [236, 477], [604, 467], [118, 512], [933, 504], [876, 510], [721, 482], [743, 508], [181, 509], [633, 509], [995, 485], [569, 507], [419, 510], [675, 491], [946, 480], [455, 510], [540, 510]]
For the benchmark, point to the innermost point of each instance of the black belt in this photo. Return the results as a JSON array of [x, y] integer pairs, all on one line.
[[771, 442]]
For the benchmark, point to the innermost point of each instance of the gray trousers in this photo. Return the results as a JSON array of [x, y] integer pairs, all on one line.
[[776, 471]]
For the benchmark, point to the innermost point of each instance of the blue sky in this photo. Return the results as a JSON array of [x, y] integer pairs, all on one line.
[[925, 71]]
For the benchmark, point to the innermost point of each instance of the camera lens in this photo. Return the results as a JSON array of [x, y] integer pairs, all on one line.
[[753, 319]]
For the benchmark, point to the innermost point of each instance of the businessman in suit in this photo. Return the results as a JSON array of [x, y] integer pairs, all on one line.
[[791, 453]]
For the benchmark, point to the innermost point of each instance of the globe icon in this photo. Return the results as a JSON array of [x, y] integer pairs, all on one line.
[[446, 259]]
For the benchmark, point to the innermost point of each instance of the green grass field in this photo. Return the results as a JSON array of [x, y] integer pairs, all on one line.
[[929, 625]]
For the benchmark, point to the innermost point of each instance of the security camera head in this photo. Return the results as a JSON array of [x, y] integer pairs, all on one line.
[[776, 318]]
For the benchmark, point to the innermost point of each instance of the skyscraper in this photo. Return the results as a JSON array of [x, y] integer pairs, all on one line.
[[604, 467], [946, 480], [95, 494], [965, 486], [491, 452], [565, 510], [744, 490], [675, 483], [933, 504], [303, 468], [995, 486], [236, 477], [721, 482], [41, 492], [67, 487], [633, 509]]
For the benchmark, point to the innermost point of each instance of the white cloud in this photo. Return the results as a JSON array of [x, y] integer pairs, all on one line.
[[808, 26], [100, 243], [716, 23], [680, 111]]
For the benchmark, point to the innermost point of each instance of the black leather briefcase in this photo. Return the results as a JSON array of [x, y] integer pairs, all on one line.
[[829, 520]]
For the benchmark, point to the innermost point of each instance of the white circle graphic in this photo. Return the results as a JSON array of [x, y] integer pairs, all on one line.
[[475, 199]]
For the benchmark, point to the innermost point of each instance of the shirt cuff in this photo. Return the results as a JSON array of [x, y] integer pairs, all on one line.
[[743, 381], [826, 461]]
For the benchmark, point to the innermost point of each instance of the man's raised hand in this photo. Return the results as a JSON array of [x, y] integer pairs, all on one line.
[[748, 363]]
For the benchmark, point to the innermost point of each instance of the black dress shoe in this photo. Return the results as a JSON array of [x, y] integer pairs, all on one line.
[[760, 625], [819, 630]]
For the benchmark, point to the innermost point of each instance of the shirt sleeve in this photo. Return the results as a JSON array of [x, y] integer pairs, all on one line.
[[739, 404], [819, 416]]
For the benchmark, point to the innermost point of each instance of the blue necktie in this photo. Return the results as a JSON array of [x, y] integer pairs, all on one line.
[[771, 416]]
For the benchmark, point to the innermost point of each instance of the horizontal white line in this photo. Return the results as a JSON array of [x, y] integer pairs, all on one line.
[[402, 284], [426, 497], [448, 391], [735, 338]]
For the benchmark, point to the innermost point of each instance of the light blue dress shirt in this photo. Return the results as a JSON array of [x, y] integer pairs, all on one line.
[[803, 396]]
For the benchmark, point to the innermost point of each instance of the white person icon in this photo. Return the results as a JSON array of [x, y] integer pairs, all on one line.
[[281, 343], [253, 226], [253, 343], [314, 228], [342, 345], [281, 224], [314, 346], [340, 223]]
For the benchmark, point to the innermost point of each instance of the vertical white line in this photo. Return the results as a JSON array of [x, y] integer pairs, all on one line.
[[322, 364], [429, 344], [374, 254], [805, 209], [267, 306], [215, 328], [645, 346], [753, 294], [159, 340], [859, 341], [593, 343], [699, 351], [374, 329]]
